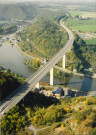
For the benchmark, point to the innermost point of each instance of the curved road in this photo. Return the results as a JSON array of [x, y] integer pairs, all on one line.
[[25, 88]]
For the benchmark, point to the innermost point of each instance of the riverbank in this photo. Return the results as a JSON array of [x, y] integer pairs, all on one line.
[[8, 42], [60, 68], [75, 73], [22, 52], [14, 60]]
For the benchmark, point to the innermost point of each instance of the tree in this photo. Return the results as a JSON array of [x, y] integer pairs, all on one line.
[[77, 16]]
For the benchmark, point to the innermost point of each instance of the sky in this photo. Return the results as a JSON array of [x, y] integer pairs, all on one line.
[[6, 1]]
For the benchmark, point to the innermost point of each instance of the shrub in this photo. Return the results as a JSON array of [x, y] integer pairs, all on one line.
[[92, 116], [68, 110], [79, 117], [91, 124], [80, 99], [89, 101], [93, 132], [63, 125]]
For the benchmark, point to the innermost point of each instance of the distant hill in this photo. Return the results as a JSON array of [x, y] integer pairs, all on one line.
[[17, 11]]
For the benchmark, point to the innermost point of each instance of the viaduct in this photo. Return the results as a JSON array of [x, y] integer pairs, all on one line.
[[33, 81]]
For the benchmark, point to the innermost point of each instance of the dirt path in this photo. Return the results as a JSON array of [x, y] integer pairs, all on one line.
[[32, 128]]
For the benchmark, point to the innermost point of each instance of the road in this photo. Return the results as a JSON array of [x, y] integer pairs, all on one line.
[[18, 94]]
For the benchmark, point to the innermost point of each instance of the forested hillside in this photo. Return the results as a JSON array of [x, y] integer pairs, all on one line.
[[45, 38], [9, 82], [7, 30], [67, 115], [81, 56]]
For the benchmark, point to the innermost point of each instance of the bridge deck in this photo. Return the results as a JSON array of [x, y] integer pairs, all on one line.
[[25, 88]]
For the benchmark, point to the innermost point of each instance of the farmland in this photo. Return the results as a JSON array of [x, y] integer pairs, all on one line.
[[88, 25], [84, 28], [82, 14], [90, 41], [89, 14], [74, 13]]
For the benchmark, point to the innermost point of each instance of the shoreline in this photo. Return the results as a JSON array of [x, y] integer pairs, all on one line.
[[60, 68], [22, 52], [75, 73], [19, 49]]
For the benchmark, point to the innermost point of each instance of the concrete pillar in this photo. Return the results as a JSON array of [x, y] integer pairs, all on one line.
[[23, 99], [0, 125], [38, 85], [63, 62], [51, 76]]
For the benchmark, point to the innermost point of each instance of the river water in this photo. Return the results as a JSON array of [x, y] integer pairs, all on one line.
[[11, 58]]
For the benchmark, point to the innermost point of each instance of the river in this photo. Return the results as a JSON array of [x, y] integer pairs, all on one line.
[[11, 58]]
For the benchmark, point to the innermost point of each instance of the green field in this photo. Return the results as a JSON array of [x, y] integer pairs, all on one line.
[[84, 28], [1, 22], [74, 13], [55, 9], [88, 25], [90, 41], [82, 14]]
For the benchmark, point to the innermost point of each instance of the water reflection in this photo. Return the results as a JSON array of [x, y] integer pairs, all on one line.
[[11, 58], [88, 82], [65, 79]]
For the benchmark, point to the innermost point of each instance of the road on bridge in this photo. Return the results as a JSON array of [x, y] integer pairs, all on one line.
[[18, 94]]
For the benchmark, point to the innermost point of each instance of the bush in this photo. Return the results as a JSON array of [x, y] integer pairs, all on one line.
[[90, 101], [80, 99], [92, 116], [91, 124], [79, 117], [93, 132], [63, 125]]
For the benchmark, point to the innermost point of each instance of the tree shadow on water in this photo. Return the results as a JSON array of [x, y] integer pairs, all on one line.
[[86, 84]]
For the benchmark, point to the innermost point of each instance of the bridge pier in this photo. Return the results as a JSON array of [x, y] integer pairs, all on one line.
[[63, 62], [51, 76], [38, 85]]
